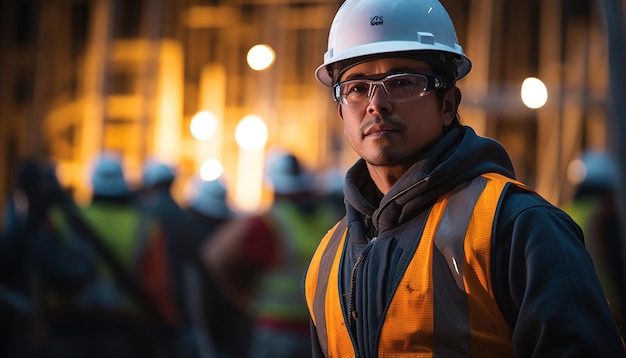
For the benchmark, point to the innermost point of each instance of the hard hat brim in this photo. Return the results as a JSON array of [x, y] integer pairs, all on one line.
[[377, 49]]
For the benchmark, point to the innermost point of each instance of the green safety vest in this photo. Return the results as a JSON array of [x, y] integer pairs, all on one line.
[[297, 236]]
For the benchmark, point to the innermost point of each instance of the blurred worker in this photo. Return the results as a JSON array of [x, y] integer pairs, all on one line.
[[171, 261], [595, 208], [332, 189], [209, 206], [41, 268], [226, 324], [258, 261], [296, 221], [124, 320]]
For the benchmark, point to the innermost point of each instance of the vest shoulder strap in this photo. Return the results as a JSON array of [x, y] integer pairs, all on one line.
[[325, 264]]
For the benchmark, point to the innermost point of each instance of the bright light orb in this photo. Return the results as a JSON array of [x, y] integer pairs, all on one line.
[[211, 169], [203, 125], [261, 57], [251, 132], [534, 93]]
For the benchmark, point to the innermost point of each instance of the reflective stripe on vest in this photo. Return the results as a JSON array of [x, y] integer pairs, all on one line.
[[446, 306], [324, 293]]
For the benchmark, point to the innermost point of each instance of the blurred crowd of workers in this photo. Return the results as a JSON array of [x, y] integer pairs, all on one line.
[[136, 274]]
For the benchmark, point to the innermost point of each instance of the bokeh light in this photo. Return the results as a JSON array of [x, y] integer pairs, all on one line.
[[211, 169], [534, 93], [261, 57], [251, 132], [203, 125]]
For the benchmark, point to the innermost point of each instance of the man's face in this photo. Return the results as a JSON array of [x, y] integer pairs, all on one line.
[[387, 132]]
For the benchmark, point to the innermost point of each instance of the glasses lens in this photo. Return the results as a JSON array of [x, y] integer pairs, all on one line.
[[398, 87], [402, 87], [354, 91]]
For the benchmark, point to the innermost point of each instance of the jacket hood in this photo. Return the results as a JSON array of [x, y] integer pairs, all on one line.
[[459, 155]]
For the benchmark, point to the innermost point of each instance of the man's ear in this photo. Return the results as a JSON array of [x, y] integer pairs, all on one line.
[[450, 105]]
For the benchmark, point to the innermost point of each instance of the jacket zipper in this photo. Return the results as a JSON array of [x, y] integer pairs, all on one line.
[[359, 260], [351, 302]]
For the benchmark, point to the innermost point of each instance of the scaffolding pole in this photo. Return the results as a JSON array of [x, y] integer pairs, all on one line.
[[614, 12]]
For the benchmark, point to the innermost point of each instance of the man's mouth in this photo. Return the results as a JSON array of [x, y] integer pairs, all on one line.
[[377, 130]]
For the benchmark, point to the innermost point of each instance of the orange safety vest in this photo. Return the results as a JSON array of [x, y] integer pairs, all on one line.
[[418, 321]]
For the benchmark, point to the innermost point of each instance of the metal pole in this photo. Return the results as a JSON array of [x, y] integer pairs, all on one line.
[[614, 12]]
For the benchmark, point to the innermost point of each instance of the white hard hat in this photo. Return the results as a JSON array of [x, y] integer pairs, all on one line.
[[156, 173], [288, 176], [210, 200], [332, 181], [596, 169], [366, 28], [107, 178]]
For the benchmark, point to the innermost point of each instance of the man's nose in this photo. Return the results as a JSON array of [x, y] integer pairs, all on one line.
[[372, 90], [378, 99]]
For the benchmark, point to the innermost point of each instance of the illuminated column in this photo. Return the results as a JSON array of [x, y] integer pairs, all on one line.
[[94, 114], [212, 100], [479, 47], [251, 134], [549, 119], [260, 58], [251, 137], [167, 126]]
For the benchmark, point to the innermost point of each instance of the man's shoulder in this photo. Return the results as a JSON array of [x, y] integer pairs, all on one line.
[[523, 197], [519, 204]]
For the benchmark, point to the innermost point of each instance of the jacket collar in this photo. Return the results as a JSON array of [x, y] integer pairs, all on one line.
[[460, 155]]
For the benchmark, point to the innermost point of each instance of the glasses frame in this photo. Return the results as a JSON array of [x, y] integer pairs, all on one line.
[[433, 82]]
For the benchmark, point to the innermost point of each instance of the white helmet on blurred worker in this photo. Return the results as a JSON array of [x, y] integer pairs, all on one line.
[[594, 169], [287, 174], [210, 199], [366, 29], [156, 172], [107, 177]]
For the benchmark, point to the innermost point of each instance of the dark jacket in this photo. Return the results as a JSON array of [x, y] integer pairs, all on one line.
[[544, 280]]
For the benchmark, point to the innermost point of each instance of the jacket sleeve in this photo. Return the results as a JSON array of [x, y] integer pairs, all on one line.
[[316, 349], [546, 285]]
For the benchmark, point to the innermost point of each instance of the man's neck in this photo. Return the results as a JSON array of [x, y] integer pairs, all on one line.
[[385, 176]]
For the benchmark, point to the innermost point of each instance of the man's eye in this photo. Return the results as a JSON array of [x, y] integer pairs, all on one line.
[[358, 88], [401, 82]]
